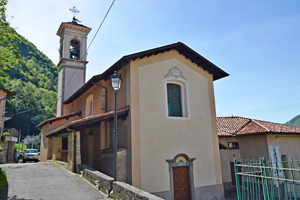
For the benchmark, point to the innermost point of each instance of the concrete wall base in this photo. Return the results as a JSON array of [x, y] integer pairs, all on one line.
[[211, 192]]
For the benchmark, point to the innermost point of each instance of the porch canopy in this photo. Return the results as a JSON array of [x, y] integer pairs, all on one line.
[[88, 121]]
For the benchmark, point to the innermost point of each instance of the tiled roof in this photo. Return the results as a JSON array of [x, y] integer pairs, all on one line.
[[89, 120], [235, 126]]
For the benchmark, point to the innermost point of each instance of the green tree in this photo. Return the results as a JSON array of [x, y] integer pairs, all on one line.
[[9, 52], [29, 72]]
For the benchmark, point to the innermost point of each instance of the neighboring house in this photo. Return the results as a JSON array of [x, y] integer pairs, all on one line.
[[7, 146], [167, 132], [244, 138], [4, 94]]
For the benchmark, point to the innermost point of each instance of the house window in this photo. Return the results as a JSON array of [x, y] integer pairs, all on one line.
[[89, 105], [233, 145], [174, 100], [74, 49], [64, 144]]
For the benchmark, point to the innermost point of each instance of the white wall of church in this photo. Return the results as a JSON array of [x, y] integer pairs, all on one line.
[[72, 84], [155, 137]]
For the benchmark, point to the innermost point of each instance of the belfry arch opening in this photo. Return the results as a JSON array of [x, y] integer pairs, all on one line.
[[75, 49]]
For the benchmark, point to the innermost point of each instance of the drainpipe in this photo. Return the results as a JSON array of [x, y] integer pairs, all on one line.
[[105, 93], [74, 147]]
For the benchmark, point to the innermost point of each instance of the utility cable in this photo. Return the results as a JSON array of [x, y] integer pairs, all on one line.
[[29, 110], [92, 41]]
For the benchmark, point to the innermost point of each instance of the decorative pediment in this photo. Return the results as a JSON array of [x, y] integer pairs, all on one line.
[[175, 72]]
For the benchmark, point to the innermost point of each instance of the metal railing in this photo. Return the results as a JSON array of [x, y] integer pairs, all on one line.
[[267, 180]]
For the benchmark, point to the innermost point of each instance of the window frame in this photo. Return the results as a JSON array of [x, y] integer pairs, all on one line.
[[234, 147], [173, 102], [184, 96]]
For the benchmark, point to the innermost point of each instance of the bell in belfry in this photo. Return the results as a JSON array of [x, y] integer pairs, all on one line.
[[74, 50]]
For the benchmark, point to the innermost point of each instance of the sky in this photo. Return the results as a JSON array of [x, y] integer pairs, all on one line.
[[257, 42]]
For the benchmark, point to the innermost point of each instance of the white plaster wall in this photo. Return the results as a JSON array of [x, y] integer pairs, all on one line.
[[289, 145], [162, 138], [59, 93], [76, 82], [227, 156]]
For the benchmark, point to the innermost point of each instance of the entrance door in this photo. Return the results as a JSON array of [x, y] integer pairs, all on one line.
[[181, 183], [233, 180]]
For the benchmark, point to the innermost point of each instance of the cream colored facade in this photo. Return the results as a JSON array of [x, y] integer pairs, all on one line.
[[157, 137], [150, 142]]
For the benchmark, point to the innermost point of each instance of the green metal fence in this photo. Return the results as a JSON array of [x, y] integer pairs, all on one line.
[[267, 180]]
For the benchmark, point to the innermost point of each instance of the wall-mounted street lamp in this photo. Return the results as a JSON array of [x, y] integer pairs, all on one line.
[[116, 84]]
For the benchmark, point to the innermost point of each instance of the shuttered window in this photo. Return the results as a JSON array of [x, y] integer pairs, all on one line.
[[174, 100]]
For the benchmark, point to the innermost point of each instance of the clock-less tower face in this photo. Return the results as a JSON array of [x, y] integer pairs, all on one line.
[[72, 64]]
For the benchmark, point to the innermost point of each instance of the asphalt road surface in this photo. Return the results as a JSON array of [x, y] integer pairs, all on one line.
[[43, 181]]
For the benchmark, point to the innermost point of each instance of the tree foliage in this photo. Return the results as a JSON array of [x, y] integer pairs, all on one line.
[[9, 52], [27, 71], [294, 122], [32, 140]]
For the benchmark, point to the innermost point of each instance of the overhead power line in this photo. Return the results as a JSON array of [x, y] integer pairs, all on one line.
[[29, 110], [91, 41]]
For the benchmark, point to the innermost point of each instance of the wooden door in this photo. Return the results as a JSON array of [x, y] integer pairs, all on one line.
[[181, 183]]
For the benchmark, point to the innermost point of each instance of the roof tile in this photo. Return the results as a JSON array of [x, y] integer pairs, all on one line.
[[231, 126]]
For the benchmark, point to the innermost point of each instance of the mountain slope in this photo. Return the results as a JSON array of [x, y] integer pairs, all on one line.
[[295, 121], [34, 77]]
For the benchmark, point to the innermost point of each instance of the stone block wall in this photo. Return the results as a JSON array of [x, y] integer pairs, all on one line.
[[3, 152], [56, 148], [71, 152], [125, 191], [100, 181], [49, 150], [78, 152], [119, 190], [107, 164]]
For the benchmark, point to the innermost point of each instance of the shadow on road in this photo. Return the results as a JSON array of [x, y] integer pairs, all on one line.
[[16, 198]]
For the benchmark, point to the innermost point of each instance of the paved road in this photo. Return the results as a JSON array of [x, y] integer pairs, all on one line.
[[47, 181]]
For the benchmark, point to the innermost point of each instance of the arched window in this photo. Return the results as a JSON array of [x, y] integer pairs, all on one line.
[[174, 100], [74, 49], [177, 101], [89, 105]]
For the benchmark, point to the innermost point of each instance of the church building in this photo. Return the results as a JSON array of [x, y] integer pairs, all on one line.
[[167, 131]]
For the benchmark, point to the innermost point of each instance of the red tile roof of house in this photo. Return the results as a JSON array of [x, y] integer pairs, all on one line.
[[238, 126]]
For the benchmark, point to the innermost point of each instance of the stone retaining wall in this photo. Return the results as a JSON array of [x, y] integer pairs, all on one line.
[[101, 181], [125, 191], [114, 189]]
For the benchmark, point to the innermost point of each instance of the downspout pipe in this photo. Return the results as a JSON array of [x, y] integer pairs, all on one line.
[[75, 142], [105, 93]]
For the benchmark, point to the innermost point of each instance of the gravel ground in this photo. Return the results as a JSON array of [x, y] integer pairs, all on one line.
[[47, 181]]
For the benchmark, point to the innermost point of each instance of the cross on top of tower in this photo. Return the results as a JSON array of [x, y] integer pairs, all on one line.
[[74, 11]]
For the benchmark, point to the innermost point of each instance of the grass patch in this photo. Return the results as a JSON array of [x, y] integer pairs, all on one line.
[[3, 181]]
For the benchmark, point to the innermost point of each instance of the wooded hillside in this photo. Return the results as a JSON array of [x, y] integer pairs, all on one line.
[[295, 121], [34, 77]]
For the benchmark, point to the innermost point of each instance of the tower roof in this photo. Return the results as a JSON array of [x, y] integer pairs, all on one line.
[[73, 25]]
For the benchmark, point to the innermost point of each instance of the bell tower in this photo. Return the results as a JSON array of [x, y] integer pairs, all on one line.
[[72, 59]]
